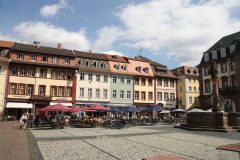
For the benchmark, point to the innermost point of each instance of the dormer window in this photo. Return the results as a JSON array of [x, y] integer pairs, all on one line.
[[32, 57], [232, 48], [189, 71], [44, 58], [138, 69], [1, 52], [66, 60], [115, 57], [214, 55], [146, 70], [21, 55], [97, 64], [55, 59], [87, 63], [103, 65], [82, 62], [116, 66], [223, 52], [206, 57], [124, 67]]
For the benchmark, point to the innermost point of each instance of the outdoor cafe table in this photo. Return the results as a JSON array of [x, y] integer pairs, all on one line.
[[231, 147]]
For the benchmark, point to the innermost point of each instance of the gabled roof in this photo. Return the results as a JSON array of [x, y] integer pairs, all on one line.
[[185, 70], [225, 41], [149, 61], [42, 50], [6, 44], [117, 58], [90, 55]]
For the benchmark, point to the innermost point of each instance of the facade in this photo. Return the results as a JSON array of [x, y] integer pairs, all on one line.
[[93, 79], [39, 76], [144, 88], [165, 84], [187, 87], [4, 49], [121, 81], [225, 53]]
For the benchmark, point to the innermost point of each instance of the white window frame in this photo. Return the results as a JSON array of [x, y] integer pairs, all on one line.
[[121, 94], [90, 76], [114, 94], [33, 57], [82, 77], [105, 78], [105, 93], [114, 79], [98, 78], [55, 59], [97, 93], [128, 94], [66, 60], [81, 92]]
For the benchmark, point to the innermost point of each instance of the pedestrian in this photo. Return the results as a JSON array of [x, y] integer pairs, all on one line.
[[23, 121], [36, 121], [30, 120]]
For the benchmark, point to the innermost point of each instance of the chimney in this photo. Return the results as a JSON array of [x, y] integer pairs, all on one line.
[[59, 46]]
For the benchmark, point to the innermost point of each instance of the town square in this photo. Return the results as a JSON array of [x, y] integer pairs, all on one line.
[[124, 80]]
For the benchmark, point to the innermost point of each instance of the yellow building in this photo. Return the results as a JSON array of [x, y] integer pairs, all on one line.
[[187, 87], [4, 48]]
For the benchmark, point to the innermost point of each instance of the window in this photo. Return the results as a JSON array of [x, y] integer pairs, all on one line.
[[105, 93], [82, 62], [97, 93], [33, 57], [136, 95], [143, 96], [214, 55], [54, 74], [103, 65], [23, 71], [159, 82], [166, 98], [159, 96], [172, 96], [30, 89], [105, 78], [31, 72], [97, 64], [55, 59], [206, 57], [116, 66], [150, 96], [121, 94], [44, 58], [89, 92], [136, 81], [165, 82], [121, 80], [138, 69], [150, 82], [195, 89], [232, 48], [82, 76], [128, 80], [223, 52], [190, 100], [206, 71], [128, 94], [81, 92], [224, 82], [69, 92], [171, 83], [143, 81], [97, 77], [21, 89], [42, 90], [146, 70], [69, 75], [223, 67], [232, 65], [114, 78], [61, 75], [190, 89], [61, 91], [13, 88], [207, 86], [66, 60], [43, 73], [124, 67], [21, 55], [90, 77], [53, 91], [114, 94]]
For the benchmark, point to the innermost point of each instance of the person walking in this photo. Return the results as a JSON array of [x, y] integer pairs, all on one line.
[[23, 121], [30, 120], [36, 121]]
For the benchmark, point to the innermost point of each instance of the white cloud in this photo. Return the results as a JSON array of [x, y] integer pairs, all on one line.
[[49, 35], [113, 52], [106, 37], [183, 28], [53, 9]]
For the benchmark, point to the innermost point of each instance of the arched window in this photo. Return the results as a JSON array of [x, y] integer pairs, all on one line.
[[116, 66], [124, 67], [138, 69], [146, 70]]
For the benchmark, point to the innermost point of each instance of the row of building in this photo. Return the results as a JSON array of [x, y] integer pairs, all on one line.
[[34, 76]]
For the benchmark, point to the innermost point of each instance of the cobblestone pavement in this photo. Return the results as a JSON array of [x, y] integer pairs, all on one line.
[[132, 143], [13, 142]]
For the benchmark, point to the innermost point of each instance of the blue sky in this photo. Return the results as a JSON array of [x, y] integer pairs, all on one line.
[[173, 32]]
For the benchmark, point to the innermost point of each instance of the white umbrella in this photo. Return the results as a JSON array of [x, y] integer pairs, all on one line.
[[196, 110], [178, 110], [165, 111]]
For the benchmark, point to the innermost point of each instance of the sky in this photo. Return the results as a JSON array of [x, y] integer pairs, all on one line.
[[171, 32]]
